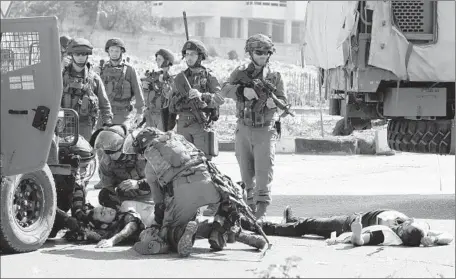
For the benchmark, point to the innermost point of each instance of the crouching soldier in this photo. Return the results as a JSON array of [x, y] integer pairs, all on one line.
[[121, 175], [83, 89], [157, 86], [182, 181], [122, 85], [196, 99]]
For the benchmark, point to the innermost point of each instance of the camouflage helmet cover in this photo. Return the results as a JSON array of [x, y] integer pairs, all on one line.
[[167, 55], [259, 42], [110, 139], [143, 138], [80, 45], [195, 45], [115, 42]]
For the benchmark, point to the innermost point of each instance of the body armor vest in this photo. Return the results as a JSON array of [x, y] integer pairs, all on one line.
[[117, 87], [171, 157], [78, 93], [157, 94], [198, 80]]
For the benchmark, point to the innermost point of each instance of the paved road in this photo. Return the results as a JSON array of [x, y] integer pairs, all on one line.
[[419, 185]]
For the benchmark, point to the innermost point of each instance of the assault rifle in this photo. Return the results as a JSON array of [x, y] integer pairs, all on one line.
[[264, 89]]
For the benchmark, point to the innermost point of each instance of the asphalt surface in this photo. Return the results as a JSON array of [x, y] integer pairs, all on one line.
[[420, 186]]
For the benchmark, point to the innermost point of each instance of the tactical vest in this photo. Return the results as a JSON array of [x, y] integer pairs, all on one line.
[[244, 107], [171, 158], [127, 169], [78, 93], [117, 87], [156, 96], [197, 80]]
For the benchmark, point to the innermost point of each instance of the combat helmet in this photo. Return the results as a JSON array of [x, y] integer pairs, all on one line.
[[80, 45], [115, 42], [143, 139], [195, 45], [167, 55], [109, 139], [259, 42]]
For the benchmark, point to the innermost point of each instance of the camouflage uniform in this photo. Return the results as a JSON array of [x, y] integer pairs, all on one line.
[[256, 134], [84, 92], [157, 93], [205, 82], [115, 171], [122, 85]]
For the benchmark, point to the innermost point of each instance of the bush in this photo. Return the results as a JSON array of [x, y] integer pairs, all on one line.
[[212, 52], [232, 55]]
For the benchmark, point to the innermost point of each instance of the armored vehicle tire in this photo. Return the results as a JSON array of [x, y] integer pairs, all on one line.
[[28, 204], [420, 136]]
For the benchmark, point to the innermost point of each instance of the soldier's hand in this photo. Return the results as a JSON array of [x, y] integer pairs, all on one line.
[[129, 184], [250, 94], [105, 243], [66, 61], [193, 93], [145, 84], [270, 103]]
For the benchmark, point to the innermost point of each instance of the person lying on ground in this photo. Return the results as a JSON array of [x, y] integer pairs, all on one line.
[[411, 232]]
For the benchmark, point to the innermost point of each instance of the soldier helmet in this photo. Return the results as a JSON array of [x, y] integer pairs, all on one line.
[[259, 42], [80, 45], [195, 45], [142, 140], [167, 55], [111, 139], [115, 42], [65, 41]]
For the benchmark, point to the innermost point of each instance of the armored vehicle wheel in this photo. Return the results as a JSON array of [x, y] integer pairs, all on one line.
[[420, 136], [28, 204]]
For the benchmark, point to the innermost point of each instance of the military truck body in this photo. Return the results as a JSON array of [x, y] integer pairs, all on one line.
[[390, 60]]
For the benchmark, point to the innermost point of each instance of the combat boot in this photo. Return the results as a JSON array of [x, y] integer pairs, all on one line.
[[151, 246], [252, 240], [186, 241], [261, 208]]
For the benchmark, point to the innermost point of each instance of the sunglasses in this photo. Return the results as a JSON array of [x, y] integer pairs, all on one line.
[[80, 54], [261, 52]]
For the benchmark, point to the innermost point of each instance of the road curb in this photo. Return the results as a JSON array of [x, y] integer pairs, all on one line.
[[349, 145]]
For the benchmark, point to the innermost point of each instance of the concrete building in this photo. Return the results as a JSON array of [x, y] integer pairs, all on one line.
[[283, 20]]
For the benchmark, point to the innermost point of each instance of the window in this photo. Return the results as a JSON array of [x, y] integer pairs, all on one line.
[[227, 27], [267, 3], [19, 50], [157, 3], [295, 32]]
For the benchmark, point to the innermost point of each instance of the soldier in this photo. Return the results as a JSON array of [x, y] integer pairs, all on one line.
[[122, 84], [157, 88], [196, 99], [258, 123], [83, 89], [182, 181], [121, 175]]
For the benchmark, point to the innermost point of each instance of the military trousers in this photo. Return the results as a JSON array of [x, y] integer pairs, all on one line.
[[122, 115], [86, 127], [154, 119], [188, 194], [255, 153], [194, 132]]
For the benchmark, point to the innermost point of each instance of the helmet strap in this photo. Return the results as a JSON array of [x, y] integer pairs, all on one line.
[[118, 59], [81, 65]]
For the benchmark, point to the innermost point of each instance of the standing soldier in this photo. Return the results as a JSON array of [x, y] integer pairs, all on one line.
[[122, 84], [83, 89], [157, 88], [196, 99], [258, 123]]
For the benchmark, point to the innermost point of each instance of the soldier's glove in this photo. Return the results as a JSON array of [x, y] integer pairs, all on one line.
[[250, 94], [270, 103], [194, 93]]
